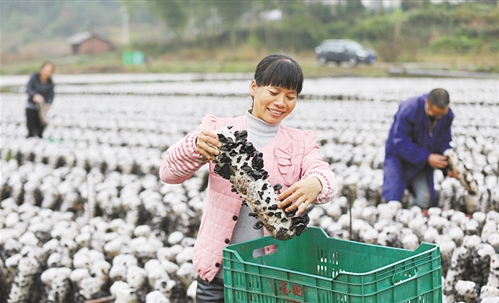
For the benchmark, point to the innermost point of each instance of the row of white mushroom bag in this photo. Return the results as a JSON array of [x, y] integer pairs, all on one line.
[[119, 208], [83, 214], [90, 259]]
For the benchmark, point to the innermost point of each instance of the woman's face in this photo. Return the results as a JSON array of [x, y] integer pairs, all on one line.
[[272, 104], [46, 71]]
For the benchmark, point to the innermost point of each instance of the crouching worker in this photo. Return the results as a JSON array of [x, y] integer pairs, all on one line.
[[420, 133]]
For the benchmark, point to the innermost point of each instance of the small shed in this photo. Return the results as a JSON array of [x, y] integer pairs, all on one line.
[[89, 43]]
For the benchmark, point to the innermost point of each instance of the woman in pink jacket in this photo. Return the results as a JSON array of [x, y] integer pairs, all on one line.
[[291, 157]]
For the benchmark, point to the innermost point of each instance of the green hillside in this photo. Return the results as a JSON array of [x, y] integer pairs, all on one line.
[[222, 35]]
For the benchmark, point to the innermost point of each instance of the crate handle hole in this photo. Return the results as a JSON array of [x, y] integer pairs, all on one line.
[[265, 251], [404, 276]]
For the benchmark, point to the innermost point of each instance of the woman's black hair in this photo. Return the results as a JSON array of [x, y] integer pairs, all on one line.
[[280, 71], [47, 63]]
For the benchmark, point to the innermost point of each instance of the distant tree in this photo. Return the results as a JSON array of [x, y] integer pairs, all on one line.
[[406, 5], [39, 20], [292, 8], [321, 12], [203, 18], [349, 10], [354, 7], [230, 12], [173, 13], [297, 33]]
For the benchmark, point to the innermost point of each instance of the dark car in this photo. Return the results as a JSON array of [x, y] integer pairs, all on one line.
[[344, 50]]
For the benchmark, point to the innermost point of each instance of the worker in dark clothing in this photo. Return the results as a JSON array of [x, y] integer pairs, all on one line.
[[420, 133], [40, 89]]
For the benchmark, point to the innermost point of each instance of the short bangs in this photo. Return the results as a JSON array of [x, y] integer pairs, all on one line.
[[282, 71]]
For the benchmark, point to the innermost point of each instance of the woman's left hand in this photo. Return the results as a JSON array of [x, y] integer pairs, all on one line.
[[300, 195]]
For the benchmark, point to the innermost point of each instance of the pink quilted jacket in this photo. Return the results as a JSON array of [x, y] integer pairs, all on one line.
[[292, 155]]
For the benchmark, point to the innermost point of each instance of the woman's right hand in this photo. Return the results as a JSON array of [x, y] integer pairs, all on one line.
[[37, 98], [207, 144]]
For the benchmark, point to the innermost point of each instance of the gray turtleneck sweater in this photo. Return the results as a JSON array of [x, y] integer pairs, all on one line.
[[260, 133]]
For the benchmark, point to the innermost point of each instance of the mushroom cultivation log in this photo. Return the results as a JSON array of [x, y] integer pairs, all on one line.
[[465, 176], [241, 164]]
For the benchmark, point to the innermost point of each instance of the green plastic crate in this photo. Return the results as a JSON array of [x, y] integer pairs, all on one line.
[[317, 269]]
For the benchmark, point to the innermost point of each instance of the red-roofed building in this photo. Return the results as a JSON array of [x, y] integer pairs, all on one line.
[[89, 43]]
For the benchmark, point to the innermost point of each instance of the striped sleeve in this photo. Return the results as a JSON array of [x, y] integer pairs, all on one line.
[[315, 166], [329, 184], [182, 160]]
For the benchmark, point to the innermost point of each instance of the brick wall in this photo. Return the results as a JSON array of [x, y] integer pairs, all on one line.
[[94, 45]]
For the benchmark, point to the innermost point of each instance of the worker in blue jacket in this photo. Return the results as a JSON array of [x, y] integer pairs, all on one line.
[[420, 133]]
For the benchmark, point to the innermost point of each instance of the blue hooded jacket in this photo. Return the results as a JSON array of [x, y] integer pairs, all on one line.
[[409, 145]]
